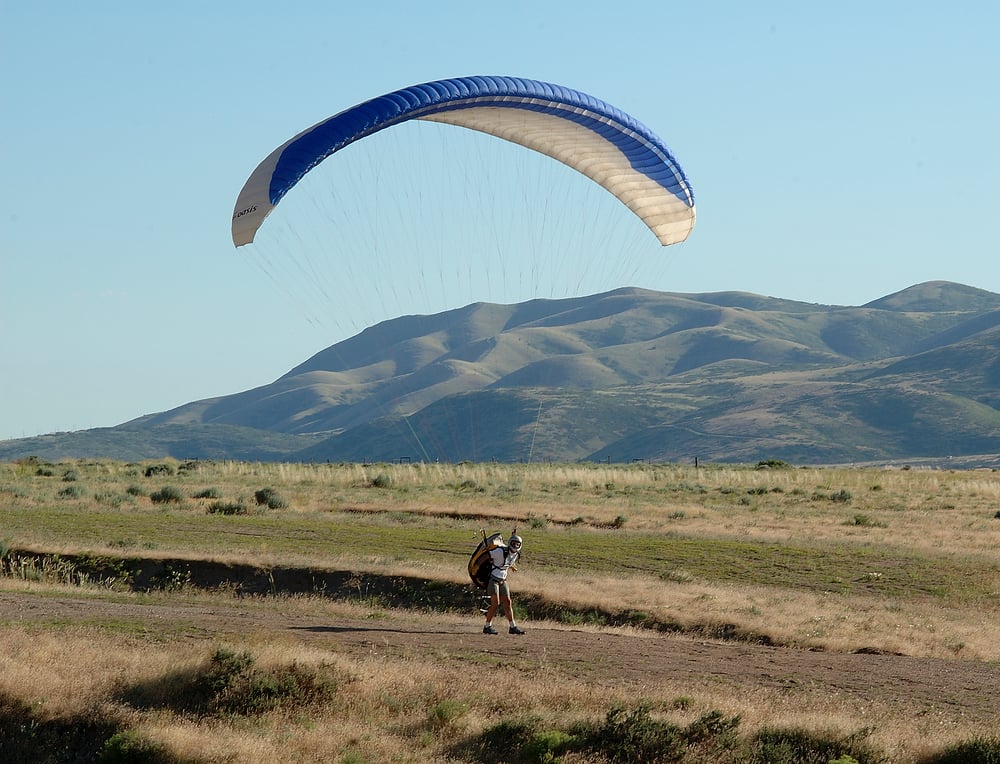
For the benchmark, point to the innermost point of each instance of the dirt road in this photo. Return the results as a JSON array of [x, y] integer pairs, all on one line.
[[959, 690]]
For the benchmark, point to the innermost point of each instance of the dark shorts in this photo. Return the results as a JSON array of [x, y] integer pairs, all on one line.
[[498, 589]]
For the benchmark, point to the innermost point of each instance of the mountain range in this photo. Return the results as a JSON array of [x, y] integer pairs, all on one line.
[[627, 375]]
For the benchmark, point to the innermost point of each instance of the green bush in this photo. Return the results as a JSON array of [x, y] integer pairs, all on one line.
[[498, 743], [981, 750], [713, 728], [227, 508], [800, 746], [270, 498], [129, 747], [381, 480], [171, 579], [547, 746], [166, 495], [230, 684], [446, 712], [208, 493], [865, 521], [154, 470], [110, 499], [233, 686], [633, 735]]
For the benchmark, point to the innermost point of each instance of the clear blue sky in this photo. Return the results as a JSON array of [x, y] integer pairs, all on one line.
[[838, 152]]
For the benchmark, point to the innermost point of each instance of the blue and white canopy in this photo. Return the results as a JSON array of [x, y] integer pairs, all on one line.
[[593, 137]]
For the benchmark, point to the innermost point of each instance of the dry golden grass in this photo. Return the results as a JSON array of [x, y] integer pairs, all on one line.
[[403, 710], [827, 621], [927, 508], [386, 710]]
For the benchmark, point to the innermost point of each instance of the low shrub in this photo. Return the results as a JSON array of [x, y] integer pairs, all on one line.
[[110, 499], [227, 508], [129, 747], [800, 746], [270, 498], [171, 579], [547, 746], [381, 480], [980, 750], [634, 735], [445, 713], [862, 520], [232, 685], [167, 495]]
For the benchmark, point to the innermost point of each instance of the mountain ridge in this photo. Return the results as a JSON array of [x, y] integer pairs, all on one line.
[[623, 375]]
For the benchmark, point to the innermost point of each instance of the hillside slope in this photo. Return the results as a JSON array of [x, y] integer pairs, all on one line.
[[628, 374]]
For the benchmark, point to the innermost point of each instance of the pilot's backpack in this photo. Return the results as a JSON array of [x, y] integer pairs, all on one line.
[[480, 564]]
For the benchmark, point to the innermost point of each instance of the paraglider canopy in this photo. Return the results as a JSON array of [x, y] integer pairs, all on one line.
[[585, 133]]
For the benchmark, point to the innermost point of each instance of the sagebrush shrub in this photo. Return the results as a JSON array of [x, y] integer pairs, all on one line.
[[270, 498], [166, 495], [382, 480], [233, 685], [227, 508]]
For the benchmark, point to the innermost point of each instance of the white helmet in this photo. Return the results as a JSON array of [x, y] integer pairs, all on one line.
[[514, 542]]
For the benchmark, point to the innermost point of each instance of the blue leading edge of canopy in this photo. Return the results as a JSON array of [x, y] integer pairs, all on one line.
[[645, 151]]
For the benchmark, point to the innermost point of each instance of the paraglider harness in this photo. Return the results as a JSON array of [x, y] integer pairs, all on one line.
[[480, 563]]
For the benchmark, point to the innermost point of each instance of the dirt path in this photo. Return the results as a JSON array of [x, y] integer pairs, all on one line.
[[957, 690]]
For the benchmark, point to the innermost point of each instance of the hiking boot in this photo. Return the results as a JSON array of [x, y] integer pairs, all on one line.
[[516, 630], [489, 630]]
